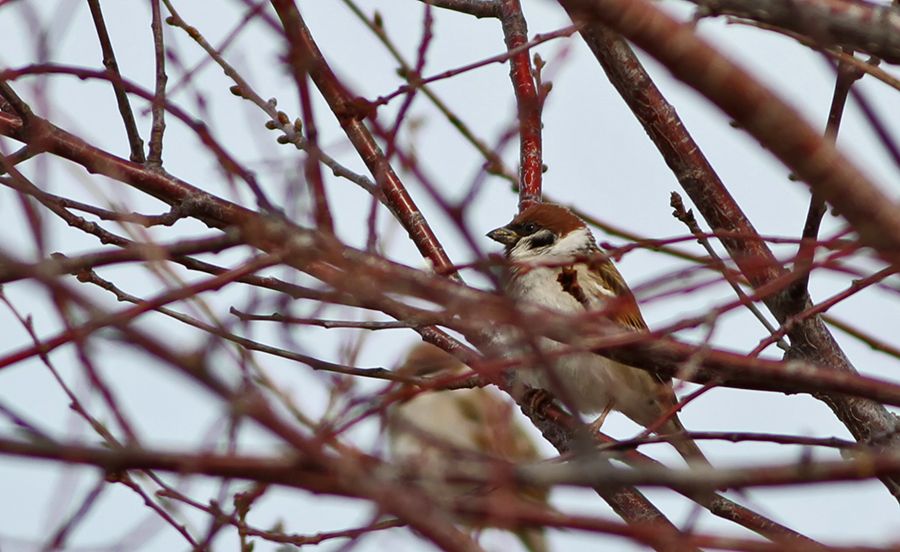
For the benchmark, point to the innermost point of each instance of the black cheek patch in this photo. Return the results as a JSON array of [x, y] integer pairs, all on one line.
[[542, 240]]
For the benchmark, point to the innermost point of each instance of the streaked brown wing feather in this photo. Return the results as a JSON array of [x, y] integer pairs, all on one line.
[[623, 306]]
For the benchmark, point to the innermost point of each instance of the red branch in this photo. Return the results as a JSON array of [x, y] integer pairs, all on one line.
[[864, 26], [681, 153], [350, 115], [787, 135], [729, 370], [312, 169], [758, 110], [124, 317], [515, 33]]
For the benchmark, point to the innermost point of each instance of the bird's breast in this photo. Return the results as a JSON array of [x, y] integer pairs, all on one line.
[[542, 286]]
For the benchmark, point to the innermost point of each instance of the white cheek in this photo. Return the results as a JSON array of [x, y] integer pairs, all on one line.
[[573, 243]]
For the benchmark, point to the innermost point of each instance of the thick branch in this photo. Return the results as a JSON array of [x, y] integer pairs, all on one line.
[[304, 474], [786, 134], [477, 8], [343, 268], [528, 104], [306, 247], [854, 24], [765, 116]]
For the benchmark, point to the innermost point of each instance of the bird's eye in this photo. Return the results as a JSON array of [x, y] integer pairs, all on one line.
[[530, 228]]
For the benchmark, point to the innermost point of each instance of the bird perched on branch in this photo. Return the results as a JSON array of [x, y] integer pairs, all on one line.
[[437, 428], [555, 263]]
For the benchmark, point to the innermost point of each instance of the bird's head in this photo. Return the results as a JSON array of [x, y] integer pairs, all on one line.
[[544, 230]]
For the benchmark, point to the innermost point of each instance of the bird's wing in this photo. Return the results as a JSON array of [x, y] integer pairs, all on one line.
[[602, 279]]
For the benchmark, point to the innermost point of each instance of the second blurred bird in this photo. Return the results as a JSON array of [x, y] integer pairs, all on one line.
[[436, 428]]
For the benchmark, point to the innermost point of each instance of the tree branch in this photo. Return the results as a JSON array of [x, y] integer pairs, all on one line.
[[853, 24], [786, 134], [351, 118], [109, 61], [531, 166]]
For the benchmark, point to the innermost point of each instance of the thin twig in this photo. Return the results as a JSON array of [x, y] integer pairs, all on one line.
[[362, 325], [185, 79], [122, 319], [687, 217], [89, 276], [21, 155], [109, 61], [493, 162], [54, 134], [874, 343], [158, 125], [833, 53], [855, 287], [799, 291], [61, 264], [105, 434], [734, 437], [277, 536], [58, 540], [292, 131]]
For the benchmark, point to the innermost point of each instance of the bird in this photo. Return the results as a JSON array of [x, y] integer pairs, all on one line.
[[554, 262], [437, 428]]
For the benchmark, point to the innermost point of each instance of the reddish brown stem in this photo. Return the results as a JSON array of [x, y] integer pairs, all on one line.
[[515, 33], [312, 169], [300, 64], [551, 420], [864, 26], [60, 264], [477, 8], [784, 132], [37, 130], [765, 116], [561, 430], [158, 126], [350, 115], [846, 76], [109, 61], [821, 307], [124, 317]]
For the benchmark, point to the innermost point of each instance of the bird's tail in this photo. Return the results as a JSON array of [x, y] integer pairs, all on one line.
[[533, 539]]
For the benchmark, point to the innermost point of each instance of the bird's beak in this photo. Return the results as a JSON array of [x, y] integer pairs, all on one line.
[[503, 235]]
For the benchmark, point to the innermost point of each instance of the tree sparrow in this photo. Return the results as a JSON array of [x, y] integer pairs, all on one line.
[[555, 263], [436, 428]]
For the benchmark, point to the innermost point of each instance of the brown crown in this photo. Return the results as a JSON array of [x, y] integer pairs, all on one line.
[[555, 218]]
